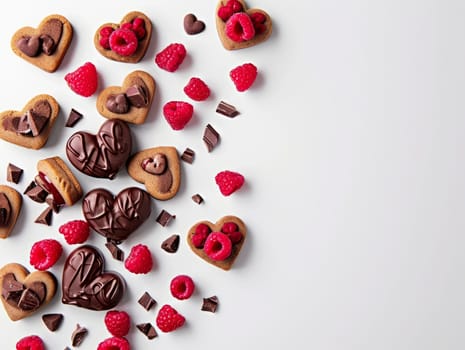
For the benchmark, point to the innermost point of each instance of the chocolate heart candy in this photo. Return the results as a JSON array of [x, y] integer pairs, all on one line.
[[116, 217], [117, 104], [103, 154], [192, 25], [30, 45], [86, 284]]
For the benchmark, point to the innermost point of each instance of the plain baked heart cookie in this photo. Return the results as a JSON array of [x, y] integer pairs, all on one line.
[[10, 207], [46, 45], [239, 27], [159, 169], [220, 243], [130, 102], [31, 126], [126, 41], [24, 293]]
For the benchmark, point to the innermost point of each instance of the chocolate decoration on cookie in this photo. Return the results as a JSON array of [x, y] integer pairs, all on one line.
[[117, 104], [137, 95], [103, 154], [156, 165], [86, 284], [29, 45], [10, 207], [116, 217], [5, 210]]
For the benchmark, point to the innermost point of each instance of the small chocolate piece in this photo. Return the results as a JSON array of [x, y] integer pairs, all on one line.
[[164, 218], [39, 289], [147, 329], [29, 45], [227, 109], [118, 104], [171, 244], [36, 122], [146, 301], [47, 44], [73, 118], [192, 25], [29, 300], [13, 173], [156, 165], [78, 335], [197, 198], [52, 204], [11, 289], [188, 155], [115, 251], [52, 321], [30, 187], [22, 125], [210, 304], [45, 217], [37, 194], [137, 96], [210, 137], [5, 210]]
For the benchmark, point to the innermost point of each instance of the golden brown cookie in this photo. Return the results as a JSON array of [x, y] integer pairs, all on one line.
[[159, 169], [135, 22], [262, 28], [59, 181], [31, 126], [207, 240], [46, 45], [24, 293], [130, 102], [10, 206]]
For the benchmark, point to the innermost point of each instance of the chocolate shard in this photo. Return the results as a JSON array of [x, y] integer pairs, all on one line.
[[73, 118], [52, 321], [11, 289], [30, 187], [188, 155], [37, 194], [164, 218], [147, 329], [137, 96], [52, 204], [227, 109], [29, 300], [13, 173], [45, 217], [146, 301], [115, 251], [22, 125], [78, 335], [197, 198], [210, 304], [171, 244], [211, 137], [36, 122]]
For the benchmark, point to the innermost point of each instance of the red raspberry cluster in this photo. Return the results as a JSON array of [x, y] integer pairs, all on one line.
[[125, 39]]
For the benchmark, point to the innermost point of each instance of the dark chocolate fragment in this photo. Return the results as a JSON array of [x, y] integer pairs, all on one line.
[[73, 118], [137, 96], [78, 335], [39, 289], [164, 218], [29, 300], [115, 251], [11, 289], [210, 304], [155, 165], [227, 109], [147, 329], [30, 187], [13, 173], [53, 204], [188, 155], [117, 104], [45, 217], [29, 45], [192, 25], [210, 137], [5, 210], [36, 122], [48, 46], [22, 125], [52, 321], [171, 244], [53, 29], [146, 301], [37, 194], [197, 198]]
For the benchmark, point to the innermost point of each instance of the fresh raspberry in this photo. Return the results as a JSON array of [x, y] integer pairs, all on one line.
[[239, 27], [139, 259], [182, 287], [83, 81], [118, 323], [232, 231], [137, 26], [224, 12], [200, 235], [258, 20], [243, 76], [229, 182], [75, 231], [235, 236], [218, 246], [45, 253], [31, 342], [168, 319], [235, 5], [123, 41], [197, 90], [105, 33], [171, 57], [178, 114], [114, 343]]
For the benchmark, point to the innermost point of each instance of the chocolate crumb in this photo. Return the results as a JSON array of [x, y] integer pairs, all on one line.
[[52, 321], [171, 244], [164, 218], [188, 155], [115, 251], [227, 109], [147, 329], [78, 335], [210, 137], [146, 301], [197, 198], [210, 304], [73, 118], [13, 173], [45, 217]]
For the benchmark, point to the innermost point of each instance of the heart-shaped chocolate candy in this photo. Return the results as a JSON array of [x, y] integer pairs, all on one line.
[[103, 154], [23, 293], [116, 217], [229, 227], [192, 25], [86, 284], [259, 19]]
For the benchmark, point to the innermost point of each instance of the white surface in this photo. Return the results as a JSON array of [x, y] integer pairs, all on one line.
[[352, 146]]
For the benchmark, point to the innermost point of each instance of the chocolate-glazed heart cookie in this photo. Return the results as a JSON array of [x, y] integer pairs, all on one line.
[[116, 217], [86, 284], [103, 154]]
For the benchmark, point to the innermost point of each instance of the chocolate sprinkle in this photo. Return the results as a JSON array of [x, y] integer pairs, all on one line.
[[227, 109], [164, 218], [13, 173], [73, 118], [78, 335], [210, 137], [188, 155], [52, 321], [210, 304], [197, 198], [45, 217], [146, 301], [147, 329], [171, 244], [115, 251]]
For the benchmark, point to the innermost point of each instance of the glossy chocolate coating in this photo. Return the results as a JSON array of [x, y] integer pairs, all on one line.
[[86, 284], [116, 217], [103, 154]]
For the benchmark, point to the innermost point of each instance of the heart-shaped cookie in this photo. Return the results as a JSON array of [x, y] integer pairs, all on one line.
[[127, 41], [23, 293], [103, 154], [116, 217], [31, 126], [130, 102], [46, 45], [159, 169], [239, 27], [220, 243], [86, 284], [10, 207]]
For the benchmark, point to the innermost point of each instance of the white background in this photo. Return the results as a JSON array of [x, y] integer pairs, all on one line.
[[351, 142]]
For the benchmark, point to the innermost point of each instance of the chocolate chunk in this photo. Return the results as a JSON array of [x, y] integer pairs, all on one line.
[[156, 165], [164, 217], [30, 187], [11, 289], [73, 117], [53, 204], [210, 137], [146, 301], [78, 335], [29, 300], [39, 289], [29, 45], [13, 173], [171, 244], [192, 25], [137, 96], [45, 217], [147, 329], [52, 321], [37, 194], [22, 125], [5, 210], [210, 304], [197, 198], [115, 251], [36, 122], [227, 109], [54, 29], [117, 104], [188, 155], [47, 44]]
